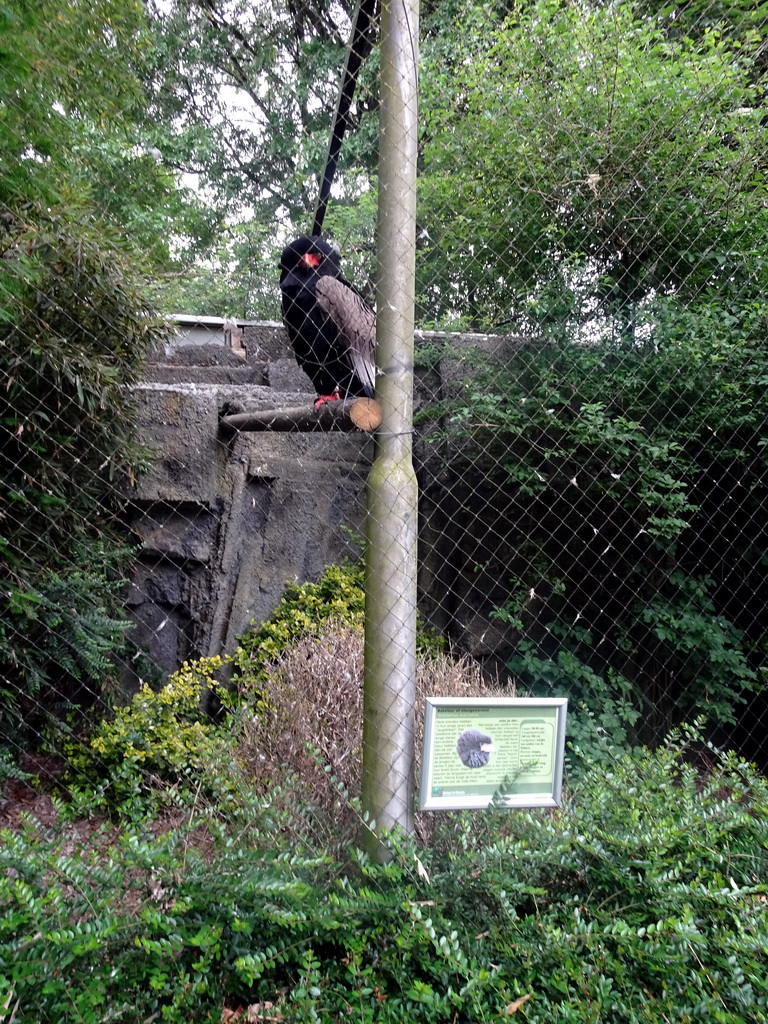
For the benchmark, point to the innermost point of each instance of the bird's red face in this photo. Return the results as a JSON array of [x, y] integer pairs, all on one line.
[[306, 260]]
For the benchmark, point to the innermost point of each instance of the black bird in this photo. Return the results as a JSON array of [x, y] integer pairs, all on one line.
[[330, 325], [474, 748]]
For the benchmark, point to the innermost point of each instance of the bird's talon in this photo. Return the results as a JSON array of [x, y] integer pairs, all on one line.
[[322, 399]]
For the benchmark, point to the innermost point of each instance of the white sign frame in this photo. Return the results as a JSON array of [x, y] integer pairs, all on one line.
[[455, 776]]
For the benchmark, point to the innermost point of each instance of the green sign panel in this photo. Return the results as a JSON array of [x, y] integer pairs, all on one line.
[[474, 745]]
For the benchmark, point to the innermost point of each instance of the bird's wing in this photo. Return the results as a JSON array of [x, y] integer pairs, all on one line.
[[355, 320]]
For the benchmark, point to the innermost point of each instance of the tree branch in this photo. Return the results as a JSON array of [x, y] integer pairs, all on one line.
[[350, 414]]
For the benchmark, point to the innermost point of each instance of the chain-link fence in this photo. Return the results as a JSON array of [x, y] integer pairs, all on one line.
[[500, 432], [590, 188], [589, 431]]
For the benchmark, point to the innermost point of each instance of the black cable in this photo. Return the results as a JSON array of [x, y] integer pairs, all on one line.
[[359, 48]]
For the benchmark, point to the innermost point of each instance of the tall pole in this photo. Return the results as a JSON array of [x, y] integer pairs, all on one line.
[[390, 614]]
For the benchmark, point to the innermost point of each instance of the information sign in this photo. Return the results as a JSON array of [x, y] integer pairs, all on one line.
[[474, 745]]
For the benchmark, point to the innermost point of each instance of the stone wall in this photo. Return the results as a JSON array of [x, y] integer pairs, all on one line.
[[224, 522]]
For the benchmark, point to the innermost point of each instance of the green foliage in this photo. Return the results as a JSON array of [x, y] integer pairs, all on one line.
[[238, 278], [639, 900], [305, 608], [68, 628], [629, 887], [618, 471], [166, 737], [9, 769], [163, 736], [75, 127], [593, 177], [82, 207], [74, 329], [51, 90], [261, 143], [581, 159]]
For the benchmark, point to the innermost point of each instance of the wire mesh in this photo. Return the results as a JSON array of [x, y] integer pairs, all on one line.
[[590, 372], [590, 185]]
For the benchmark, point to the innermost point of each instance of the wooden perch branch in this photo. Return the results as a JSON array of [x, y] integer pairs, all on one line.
[[349, 414]]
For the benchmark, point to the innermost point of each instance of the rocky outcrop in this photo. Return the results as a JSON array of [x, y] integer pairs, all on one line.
[[224, 521]]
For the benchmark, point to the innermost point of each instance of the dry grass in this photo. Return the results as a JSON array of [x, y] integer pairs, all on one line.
[[315, 692], [310, 741]]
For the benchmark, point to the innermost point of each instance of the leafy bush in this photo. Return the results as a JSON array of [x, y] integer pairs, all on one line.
[[610, 476], [305, 609], [159, 738], [308, 610], [535, 239], [74, 330], [70, 626], [298, 716], [641, 899], [165, 737], [623, 905]]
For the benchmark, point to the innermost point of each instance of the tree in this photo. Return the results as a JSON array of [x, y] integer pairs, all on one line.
[[250, 93], [242, 100], [75, 325], [578, 161], [594, 177]]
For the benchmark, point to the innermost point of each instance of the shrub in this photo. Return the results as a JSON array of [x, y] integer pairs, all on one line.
[[157, 739], [609, 475], [165, 737], [308, 610], [642, 899], [312, 713], [305, 609], [74, 330], [296, 721]]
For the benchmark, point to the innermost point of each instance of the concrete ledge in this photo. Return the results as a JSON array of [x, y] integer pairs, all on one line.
[[224, 522], [159, 373]]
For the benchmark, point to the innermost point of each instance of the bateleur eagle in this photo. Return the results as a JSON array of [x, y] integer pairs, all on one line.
[[330, 325]]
